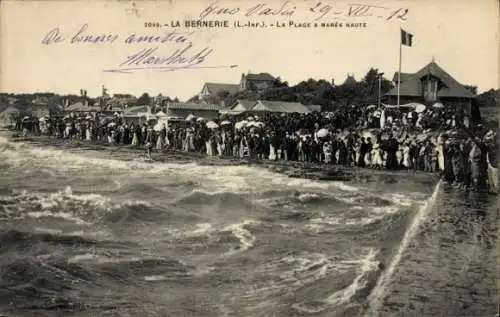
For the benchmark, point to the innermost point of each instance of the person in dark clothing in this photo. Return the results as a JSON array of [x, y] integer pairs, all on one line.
[[362, 153], [391, 147], [448, 163]]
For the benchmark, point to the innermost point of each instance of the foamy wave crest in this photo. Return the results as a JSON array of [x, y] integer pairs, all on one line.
[[356, 216], [367, 266], [247, 239], [62, 204], [284, 275]]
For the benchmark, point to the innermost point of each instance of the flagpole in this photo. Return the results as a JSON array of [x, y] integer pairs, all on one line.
[[400, 53]]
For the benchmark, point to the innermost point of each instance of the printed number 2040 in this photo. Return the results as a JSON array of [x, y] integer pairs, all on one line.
[[152, 25]]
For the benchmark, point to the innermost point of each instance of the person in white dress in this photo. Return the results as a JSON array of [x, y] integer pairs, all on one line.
[[88, 133], [406, 156], [327, 151], [272, 151], [376, 155], [159, 143]]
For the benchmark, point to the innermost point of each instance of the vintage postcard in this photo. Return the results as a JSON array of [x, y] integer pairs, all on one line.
[[249, 158]]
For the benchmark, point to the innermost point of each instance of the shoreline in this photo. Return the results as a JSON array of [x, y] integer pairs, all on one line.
[[304, 170]]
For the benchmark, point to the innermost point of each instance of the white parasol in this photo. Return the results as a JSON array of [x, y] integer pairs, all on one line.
[[371, 107], [212, 125], [26, 118], [420, 108], [322, 133], [240, 125], [200, 119], [438, 105], [225, 122]]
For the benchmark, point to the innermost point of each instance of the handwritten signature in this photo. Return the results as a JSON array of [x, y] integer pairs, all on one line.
[[180, 59], [320, 10]]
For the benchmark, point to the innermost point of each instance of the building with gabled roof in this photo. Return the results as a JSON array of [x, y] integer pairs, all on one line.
[[181, 110], [257, 82], [6, 116], [280, 107], [430, 85], [213, 89], [80, 106], [239, 106]]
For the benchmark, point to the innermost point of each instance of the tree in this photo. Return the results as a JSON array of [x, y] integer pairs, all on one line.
[[489, 98], [144, 99]]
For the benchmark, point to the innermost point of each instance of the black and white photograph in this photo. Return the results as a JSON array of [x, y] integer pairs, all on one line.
[[238, 158]]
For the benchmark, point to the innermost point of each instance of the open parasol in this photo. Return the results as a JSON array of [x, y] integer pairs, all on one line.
[[212, 125], [240, 125], [323, 133], [420, 108]]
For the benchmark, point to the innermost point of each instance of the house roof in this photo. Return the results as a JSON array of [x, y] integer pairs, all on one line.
[[136, 110], [214, 88], [260, 77], [412, 85], [192, 106], [8, 111], [316, 108], [247, 104], [80, 106], [404, 77], [280, 106]]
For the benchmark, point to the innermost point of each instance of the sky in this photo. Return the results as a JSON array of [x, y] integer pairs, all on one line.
[[460, 35]]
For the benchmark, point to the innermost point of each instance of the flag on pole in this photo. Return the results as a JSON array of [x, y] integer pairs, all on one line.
[[406, 38]]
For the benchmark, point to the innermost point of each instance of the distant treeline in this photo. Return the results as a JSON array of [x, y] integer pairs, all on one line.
[[309, 92]]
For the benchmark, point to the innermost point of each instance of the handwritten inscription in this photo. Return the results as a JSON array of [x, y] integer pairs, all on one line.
[[82, 36], [319, 10], [184, 55]]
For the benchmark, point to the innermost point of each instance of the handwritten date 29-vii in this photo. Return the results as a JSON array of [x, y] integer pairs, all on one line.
[[319, 10]]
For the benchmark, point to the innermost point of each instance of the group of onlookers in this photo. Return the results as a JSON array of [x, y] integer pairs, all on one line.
[[466, 160]]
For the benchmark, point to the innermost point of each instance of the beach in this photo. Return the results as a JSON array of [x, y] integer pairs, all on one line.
[[293, 169], [104, 233]]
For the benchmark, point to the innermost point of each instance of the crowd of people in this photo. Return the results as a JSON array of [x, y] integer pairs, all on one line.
[[433, 140]]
